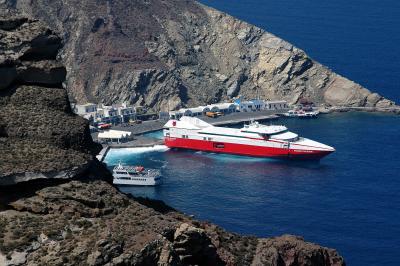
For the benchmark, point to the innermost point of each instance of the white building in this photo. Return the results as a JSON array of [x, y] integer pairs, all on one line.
[[202, 110], [106, 113], [258, 105], [117, 136], [225, 108], [110, 111], [199, 111], [245, 106], [82, 109], [174, 114], [126, 112], [181, 112]]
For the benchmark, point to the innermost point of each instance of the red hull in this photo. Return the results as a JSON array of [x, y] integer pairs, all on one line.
[[246, 150]]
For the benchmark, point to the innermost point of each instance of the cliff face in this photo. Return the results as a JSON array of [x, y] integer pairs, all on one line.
[[56, 207], [174, 53], [39, 135]]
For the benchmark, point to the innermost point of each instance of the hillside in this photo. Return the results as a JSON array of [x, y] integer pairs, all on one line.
[[168, 54]]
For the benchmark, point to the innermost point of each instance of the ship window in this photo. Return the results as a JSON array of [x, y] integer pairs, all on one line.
[[167, 134], [219, 145], [204, 138], [121, 173], [209, 138]]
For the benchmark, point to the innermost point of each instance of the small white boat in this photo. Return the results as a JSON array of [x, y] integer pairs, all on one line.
[[302, 114], [135, 176], [308, 114]]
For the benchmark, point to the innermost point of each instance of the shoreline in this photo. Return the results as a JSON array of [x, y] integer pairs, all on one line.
[[342, 109]]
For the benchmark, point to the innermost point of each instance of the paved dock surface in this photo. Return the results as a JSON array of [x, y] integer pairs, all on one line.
[[138, 141], [144, 127]]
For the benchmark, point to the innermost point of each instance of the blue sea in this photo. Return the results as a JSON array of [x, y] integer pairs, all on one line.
[[350, 200], [359, 39]]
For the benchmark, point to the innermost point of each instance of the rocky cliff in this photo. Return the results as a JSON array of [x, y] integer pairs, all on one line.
[[167, 54], [56, 206], [39, 134]]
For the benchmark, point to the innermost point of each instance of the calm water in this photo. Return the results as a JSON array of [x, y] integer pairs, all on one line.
[[359, 39], [349, 200]]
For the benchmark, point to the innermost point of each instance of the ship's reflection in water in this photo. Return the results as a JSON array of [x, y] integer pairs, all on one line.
[[204, 183]]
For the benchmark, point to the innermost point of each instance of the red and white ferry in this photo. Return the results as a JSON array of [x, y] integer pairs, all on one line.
[[251, 140]]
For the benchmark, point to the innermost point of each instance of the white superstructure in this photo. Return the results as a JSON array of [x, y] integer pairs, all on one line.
[[135, 176], [252, 140]]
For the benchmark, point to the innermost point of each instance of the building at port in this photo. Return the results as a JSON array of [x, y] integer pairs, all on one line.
[[114, 136], [227, 108], [113, 114]]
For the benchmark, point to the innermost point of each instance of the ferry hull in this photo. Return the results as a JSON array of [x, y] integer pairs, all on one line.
[[245, 150], [136, 183]]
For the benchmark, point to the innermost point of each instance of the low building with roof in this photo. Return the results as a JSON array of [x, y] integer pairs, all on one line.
[[258, 105], [225, 108], [199, 111], [117, 136], [83, 109]]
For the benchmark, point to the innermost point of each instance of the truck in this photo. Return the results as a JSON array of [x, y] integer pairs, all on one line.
[[214, 114]]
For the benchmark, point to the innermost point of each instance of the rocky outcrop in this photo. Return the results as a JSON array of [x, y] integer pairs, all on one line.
[[167, 54], [40, 137], [292, 250], [91, 223]]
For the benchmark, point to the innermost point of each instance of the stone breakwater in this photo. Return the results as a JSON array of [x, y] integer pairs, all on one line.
[[182, 53], [57, 206]]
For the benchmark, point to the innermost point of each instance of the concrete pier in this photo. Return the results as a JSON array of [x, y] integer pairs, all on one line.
[[103, 153]]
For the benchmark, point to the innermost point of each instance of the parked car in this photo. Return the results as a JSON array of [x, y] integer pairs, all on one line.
[[104, 126], [214, 114]]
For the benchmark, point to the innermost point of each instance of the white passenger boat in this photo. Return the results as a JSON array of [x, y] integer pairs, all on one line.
[[135, 176], [302, 114], [251, 140]]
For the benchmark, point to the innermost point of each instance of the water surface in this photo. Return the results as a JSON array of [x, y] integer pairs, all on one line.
[[349, 200], [359, 39]]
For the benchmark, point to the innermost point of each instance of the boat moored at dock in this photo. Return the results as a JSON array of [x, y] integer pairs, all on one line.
[[135, 176], [302, 114], [254, 139]]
